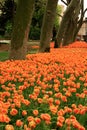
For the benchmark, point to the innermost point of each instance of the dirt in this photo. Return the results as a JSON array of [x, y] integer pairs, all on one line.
[[4, 47]]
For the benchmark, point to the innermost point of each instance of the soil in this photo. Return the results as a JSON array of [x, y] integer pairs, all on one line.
[[4, 47]]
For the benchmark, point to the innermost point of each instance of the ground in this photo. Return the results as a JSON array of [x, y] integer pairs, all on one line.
[[4, 47]]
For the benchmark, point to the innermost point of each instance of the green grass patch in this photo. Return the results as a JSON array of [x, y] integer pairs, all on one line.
[[4, 55], [33, 51]]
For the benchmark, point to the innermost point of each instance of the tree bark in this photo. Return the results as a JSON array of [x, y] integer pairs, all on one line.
[[47, 26], [75, 24], [68, 37], [64, 26], [21, 28], [80, 22]]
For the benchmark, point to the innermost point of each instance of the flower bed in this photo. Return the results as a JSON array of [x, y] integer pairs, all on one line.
[[37, 46], [77, 44], [45, 91]]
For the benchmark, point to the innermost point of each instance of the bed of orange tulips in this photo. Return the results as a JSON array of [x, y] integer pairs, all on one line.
[[46, 91], [77, 44]]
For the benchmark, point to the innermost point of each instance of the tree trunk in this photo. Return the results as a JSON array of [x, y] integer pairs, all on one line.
[[47, 26], [69, 36], [80, 22], [21, 28], [65, 22], [70, 31]]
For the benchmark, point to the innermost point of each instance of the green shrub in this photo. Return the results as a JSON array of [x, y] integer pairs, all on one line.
[[34, 33], [8, 29]]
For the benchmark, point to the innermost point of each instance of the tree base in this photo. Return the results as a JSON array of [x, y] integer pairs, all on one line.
[[55, 44], [47, 49], [18, 54]]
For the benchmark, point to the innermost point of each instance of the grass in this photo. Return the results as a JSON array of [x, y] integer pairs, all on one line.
[[33, 51], [4, 55]]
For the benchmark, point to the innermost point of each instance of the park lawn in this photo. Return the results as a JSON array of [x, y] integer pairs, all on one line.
[[33, 47], [46, 91], [4, 55]]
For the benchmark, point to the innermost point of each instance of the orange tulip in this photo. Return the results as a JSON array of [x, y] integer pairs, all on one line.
[[13, 112], [32, 124], [19, 123], [24, 112], [35, 112], [9, 127], [37, 120]]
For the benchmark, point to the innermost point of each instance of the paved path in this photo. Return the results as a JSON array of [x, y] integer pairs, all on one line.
[[30, 42], [4, 41]]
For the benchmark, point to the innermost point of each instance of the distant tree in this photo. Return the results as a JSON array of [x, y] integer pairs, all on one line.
[[7, 14], [40, 6], [7, 22], [21, 29], [71, 22], [35, 28], [58, 15], [56, 21], [36, 24]]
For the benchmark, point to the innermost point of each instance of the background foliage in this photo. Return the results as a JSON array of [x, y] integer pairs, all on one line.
[[8, 10]]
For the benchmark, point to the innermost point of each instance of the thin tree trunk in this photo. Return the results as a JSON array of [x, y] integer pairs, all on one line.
[[21, 28], [47, 26], [80, 22], [68, 34], [70, 31], [65, 21]]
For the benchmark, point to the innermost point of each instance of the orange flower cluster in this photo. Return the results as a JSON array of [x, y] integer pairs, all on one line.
[[4, 118], [75, 124], [4, 111], [32, 122], [77, 44], [46, 117], [36, 46], [50, 90]]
